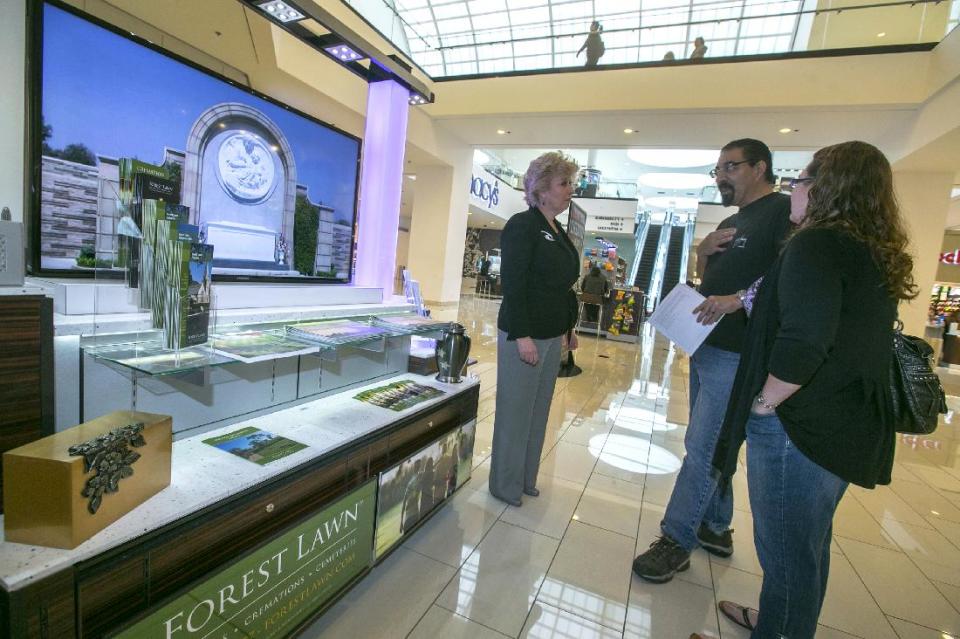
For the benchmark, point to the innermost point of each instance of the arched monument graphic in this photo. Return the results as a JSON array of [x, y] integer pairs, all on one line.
[[240, 182]]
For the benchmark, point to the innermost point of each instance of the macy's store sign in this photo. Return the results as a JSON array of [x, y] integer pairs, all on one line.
[[950, 257]]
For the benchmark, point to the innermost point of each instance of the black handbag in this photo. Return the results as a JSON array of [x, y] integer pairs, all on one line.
[[916, 394]]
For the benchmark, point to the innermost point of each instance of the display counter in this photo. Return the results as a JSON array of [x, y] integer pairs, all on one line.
[[145, 575]]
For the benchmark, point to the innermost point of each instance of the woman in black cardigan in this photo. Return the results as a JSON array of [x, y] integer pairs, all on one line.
[[538, 267], [810, 396]]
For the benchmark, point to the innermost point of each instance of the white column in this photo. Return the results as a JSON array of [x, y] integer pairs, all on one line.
[[924, 199], [438, 228]]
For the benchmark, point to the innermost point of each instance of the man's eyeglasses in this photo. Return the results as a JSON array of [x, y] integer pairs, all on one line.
[[728, 167], [795, 182]]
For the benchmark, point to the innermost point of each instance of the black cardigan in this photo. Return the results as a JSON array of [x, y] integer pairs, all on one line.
[[538, 268], [821, 319]]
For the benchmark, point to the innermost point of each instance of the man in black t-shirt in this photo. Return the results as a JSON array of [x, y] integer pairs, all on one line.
[[729, 260]]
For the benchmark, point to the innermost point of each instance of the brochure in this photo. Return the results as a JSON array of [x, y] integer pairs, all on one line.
[[256, 346], [399, 396], [255, 445]]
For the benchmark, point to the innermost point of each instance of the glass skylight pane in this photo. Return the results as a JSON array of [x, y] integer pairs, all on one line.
[[612, 7], [532, 47], [486, 6], [621, 22], [491, 21], [567, 60], [457, 25], [463, 54], [532, 31], [579, 27], [495, 66], [403, 5], [464, 68], [523, 4], [491, 51], [493, 35], [455, 10], [418, 15], [620, 56], [530, 16], [567, 44], [620, 39], [720, 48], [532, 62], [663, 35], [457, 40], [573, 10]]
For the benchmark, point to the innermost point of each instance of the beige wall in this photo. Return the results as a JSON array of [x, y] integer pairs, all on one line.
[[12, 43]]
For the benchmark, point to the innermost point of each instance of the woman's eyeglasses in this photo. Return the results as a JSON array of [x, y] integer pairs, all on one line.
[[795, 182], [727, 167]]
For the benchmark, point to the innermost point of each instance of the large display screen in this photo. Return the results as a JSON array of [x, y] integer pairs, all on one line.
[[273, 190]]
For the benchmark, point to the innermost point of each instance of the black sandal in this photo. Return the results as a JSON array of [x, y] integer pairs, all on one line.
[[738, 614]]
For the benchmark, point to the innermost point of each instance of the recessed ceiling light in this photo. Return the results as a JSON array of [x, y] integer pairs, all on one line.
[[786, 129], [882, 34], [411, 176], [502, 132], [628, 131], [280, 11]]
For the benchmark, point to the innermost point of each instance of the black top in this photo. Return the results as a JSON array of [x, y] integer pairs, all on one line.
[[595, 284], [822, 319], [538, 268], [762, 226]]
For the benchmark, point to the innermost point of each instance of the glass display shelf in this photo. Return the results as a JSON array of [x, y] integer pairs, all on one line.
[[144, 351], [410, 324], [152, 358]]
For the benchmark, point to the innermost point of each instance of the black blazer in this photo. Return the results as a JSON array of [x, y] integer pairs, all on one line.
[[538, 268]]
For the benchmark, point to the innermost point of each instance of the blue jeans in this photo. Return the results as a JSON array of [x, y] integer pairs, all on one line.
[[695, 498], [793, 501]]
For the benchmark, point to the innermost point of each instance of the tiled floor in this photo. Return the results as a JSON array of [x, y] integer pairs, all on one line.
[[559, 566]]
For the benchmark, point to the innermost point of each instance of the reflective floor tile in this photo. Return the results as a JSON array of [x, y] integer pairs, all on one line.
[[852, 521], [744, 555], [612, 504], [499, 582], [670, 610], [933, 554], [572, 462], [929, 503], [440, 622], [392, 599], [549, 514], [850, 607], [590, 576], [885, 504], [458, 527], [547, 622], [908, 630], [899, 587]]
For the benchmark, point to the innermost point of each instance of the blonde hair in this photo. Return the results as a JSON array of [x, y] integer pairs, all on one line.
[[541, 172]]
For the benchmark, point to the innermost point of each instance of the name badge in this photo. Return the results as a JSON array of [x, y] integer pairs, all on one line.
[[547, 236], [740, 242]]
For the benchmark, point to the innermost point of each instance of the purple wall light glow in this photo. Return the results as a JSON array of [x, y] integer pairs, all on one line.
[[381, 178]]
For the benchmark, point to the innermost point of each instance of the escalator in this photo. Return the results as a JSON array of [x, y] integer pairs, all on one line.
[[671, 270], [647, 258]]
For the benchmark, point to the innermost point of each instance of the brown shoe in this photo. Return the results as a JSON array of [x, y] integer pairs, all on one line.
[[740, 615]]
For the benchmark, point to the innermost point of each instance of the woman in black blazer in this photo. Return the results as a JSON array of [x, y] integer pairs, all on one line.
[[538, 268]]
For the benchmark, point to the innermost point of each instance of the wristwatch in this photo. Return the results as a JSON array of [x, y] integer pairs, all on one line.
[[742, 296], [763, 403]]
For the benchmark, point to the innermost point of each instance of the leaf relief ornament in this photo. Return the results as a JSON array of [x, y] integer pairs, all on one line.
[[111, 459]]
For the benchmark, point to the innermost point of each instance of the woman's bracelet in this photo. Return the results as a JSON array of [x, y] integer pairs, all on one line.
[[763, 403]]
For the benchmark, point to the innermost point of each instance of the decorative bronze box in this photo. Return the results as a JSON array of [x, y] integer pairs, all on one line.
[[63, 489]]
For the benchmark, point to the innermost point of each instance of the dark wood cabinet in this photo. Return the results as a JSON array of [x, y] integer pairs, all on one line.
[[26, 372], [107, 592]]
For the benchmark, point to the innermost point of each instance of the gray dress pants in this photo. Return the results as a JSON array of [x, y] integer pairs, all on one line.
[[524, 394]]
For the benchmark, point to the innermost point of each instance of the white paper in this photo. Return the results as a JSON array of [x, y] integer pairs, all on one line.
[[674, 318]]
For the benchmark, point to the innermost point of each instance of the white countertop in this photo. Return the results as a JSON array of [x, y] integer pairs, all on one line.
[[202, 475]]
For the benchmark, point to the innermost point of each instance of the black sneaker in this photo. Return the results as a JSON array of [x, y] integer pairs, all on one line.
[[662, 561], [720, 545]]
